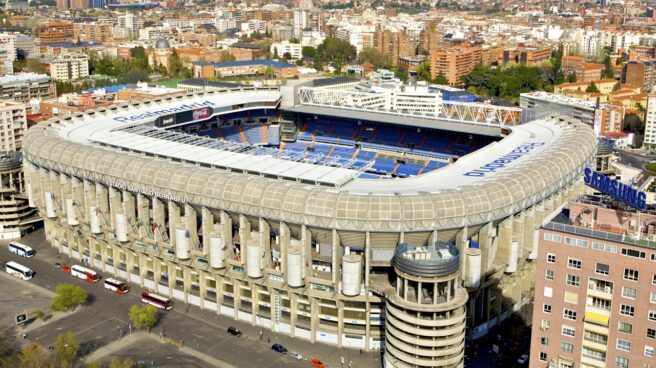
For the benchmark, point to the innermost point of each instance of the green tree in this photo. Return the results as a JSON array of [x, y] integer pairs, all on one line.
[[299, 62], [38, 314], [175, 64], [269, 72], [143, 315], [294, 40], [373, 56], [592, 88], [68, 296], [33, 356], [308, 52], [441, 79], [571, 78], [117, 362], [556, 75], [334, 50], [402, 73], [608, 71], [226, 56], [63, 87], [66, 347], [423, 71], [633, 123]]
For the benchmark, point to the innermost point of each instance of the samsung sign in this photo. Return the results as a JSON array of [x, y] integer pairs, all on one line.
[[172, 110], [504, 160], [616, 189]]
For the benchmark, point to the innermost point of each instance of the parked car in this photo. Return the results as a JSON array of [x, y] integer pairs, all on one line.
[[295, 355], [522, 359], [57, 265], [279, 348], [316, 363], [234, 332]]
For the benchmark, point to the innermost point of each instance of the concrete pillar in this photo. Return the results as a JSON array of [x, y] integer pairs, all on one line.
[[293, 310], [314, 319], [102, 200], [519, 222], [306, 250], [340, 323], [174, 220], [244, 236], [226, 232], [367, 262], [207, 227], [191, 224], [116, 250], [186, 283], [485, 243], [285, 240], [64, 191], [159, 219], [202, 282], [336, 259], [143, 267], [461, 244], [143, 216], [529, 227], [172, 277], [265, 242], [505, 240], [89, 197], [130, 208], [77, 191], [115, 205]]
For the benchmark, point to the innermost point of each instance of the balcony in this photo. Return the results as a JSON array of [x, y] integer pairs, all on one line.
[[600, 291]]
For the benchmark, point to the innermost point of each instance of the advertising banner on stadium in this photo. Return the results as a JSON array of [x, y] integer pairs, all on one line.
[[184, 117]]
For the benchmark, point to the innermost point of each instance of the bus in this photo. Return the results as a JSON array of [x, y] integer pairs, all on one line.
[[18, 270], [20, 249], [156, 300], [84, 273], [117, 286]]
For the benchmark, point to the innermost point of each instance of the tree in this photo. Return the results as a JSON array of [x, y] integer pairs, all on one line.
[[633, 123], [423, 71], [294, 40], [269, 72], [175, 65], [608, 71], [143, 315], [571, 78], [308, 52], [33, 356], [117, 362], [373, 56], [67, 297], [66, 348], [441, 79], [226, 56], [592, 88], [334, 50], [299, 62], [38, 314]]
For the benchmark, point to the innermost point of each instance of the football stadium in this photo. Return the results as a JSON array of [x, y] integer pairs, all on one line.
[[333, 214]]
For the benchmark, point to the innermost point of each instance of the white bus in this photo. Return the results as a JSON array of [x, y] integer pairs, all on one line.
[[20, 249], [84, 273], [18, 270], [117, 286], [156, 300]]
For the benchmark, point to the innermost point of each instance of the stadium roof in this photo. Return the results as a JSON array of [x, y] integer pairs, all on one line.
[[396, 119], [199, 82]]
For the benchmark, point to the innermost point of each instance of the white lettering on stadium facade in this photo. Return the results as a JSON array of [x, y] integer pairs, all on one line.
[[504, 160], [147, 192], [184, 107]]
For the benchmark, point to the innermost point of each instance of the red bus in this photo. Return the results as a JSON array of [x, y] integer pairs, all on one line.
[[85, 274], [156, 300], [117, 286]]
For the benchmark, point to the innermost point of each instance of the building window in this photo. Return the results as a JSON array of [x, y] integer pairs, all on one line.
[[624, 345], [570, 297], [549, 275], [627, 310], [551, 258], [602, 269], [604, 248], [652, 315], [543, 356], [630, 274], [653, 279], [545, 324], [621, 362], [652, 297], [573, 280], [569, 331], [633, 253], [596, 337], [651, 333], [576, 242], [566, 347], [625, 327], [629, 292], [574, 263], [546, 308], [552, 237], [649, 351], [544, 341], [569, 314]]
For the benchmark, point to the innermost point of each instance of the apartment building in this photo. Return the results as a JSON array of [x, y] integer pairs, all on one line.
[[595, 293], [650, 122], [528, 56], [454, 62], [293, 51], [55, 31], [13, 123], [69, 67], [394, 43], [26, 86], [640, 73], [92, 32]]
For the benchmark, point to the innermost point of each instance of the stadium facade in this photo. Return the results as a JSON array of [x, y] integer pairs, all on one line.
[[235, 201]]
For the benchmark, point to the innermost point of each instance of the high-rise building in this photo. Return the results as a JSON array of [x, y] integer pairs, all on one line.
[[13, 123], [55, 31], [454, 62], [92, 32], [394, 43], [640, 73], [650, 122], [595, 292], [69, 67]]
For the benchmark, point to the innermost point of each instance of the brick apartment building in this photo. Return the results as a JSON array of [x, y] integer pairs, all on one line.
[[394, 43], [55, 31], [528, 56], [595, 293], [454, 62], [639, 73], [92, 32]]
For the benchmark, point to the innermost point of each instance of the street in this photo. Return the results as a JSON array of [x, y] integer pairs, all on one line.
[[105, 319]]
